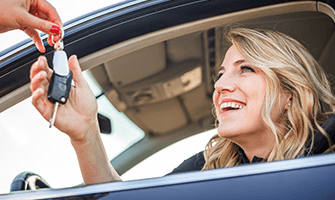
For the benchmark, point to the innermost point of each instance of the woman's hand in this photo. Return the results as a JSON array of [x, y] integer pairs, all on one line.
[[29, 15], [78, 116]]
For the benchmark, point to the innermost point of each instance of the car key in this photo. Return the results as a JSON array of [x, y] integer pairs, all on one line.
[[60, 83]]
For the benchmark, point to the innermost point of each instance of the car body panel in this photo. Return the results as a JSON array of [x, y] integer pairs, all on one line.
[[303, 178]]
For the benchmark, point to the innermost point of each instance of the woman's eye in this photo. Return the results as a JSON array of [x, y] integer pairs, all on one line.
[[246, 69], [218, 76]]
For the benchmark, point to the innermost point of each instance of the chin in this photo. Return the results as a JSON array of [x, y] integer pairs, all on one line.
[[227, 133]]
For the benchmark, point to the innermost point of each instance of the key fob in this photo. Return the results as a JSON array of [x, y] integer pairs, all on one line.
[[60, 83]]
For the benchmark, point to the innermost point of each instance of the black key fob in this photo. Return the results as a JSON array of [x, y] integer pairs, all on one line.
[[59, 88]]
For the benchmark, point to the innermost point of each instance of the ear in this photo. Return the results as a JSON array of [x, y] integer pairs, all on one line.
[[288, 101]]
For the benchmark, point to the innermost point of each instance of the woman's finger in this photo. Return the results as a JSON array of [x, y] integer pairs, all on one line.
[[26, 20], [76, 70], [50, 42], [36, 38], [48, 12], [39, 81], [42, 16], [53, 39], [39, 65], [42, 104], [37, 101]]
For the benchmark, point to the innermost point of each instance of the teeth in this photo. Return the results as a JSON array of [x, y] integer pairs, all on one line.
[[230, 105]]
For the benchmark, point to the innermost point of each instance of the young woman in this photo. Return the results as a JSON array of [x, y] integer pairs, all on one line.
[[270, 97]]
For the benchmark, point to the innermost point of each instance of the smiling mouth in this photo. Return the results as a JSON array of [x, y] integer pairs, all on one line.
[[226, 106]]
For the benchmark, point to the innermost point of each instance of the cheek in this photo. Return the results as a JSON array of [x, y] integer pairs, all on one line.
[[255, 92], [215, 98]]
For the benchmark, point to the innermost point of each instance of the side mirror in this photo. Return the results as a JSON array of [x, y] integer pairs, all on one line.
[[104, 124]]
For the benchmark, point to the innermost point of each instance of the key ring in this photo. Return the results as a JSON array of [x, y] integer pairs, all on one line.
[[59, 44]]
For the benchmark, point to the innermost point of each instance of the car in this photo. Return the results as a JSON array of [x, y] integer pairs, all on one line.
[[150, 62]]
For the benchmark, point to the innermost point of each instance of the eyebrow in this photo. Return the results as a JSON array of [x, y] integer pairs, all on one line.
[[235, 63]]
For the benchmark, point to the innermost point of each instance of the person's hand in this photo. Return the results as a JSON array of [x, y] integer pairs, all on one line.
[[29, 15], [77, 118], [79, 115]]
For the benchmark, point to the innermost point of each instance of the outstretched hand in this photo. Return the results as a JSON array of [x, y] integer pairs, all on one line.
[[29, 15], [77, 118], [79, 115]]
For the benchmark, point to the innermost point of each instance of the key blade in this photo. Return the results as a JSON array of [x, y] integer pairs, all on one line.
[[53, 117]]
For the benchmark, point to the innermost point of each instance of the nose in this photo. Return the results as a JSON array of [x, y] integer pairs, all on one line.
[[226, 83]]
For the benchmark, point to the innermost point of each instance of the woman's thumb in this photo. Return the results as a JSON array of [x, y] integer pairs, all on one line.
[[76, 70]]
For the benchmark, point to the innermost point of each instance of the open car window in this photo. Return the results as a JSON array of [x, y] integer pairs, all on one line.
[[28, 144], [165, 160]]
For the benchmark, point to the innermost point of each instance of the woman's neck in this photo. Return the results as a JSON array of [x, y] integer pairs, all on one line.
[[259, 152], [257, 145]]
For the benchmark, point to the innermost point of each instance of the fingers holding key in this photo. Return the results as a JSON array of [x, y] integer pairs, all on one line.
[[40, 75], [39, 81], [81, 107], [41, 103], [30, 16], [40, 65]]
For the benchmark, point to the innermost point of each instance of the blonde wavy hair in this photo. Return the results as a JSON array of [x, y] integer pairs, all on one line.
[[288, 67]]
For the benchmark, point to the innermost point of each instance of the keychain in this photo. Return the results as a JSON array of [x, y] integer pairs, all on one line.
[[60, 83]]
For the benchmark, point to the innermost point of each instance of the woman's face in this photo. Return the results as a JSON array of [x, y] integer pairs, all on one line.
[[239, 96]]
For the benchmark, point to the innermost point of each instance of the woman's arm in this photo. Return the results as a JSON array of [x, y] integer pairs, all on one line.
[[94, 164], [77, 118]]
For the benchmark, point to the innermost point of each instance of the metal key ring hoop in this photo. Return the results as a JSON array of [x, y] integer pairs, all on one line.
[[61, 36]]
